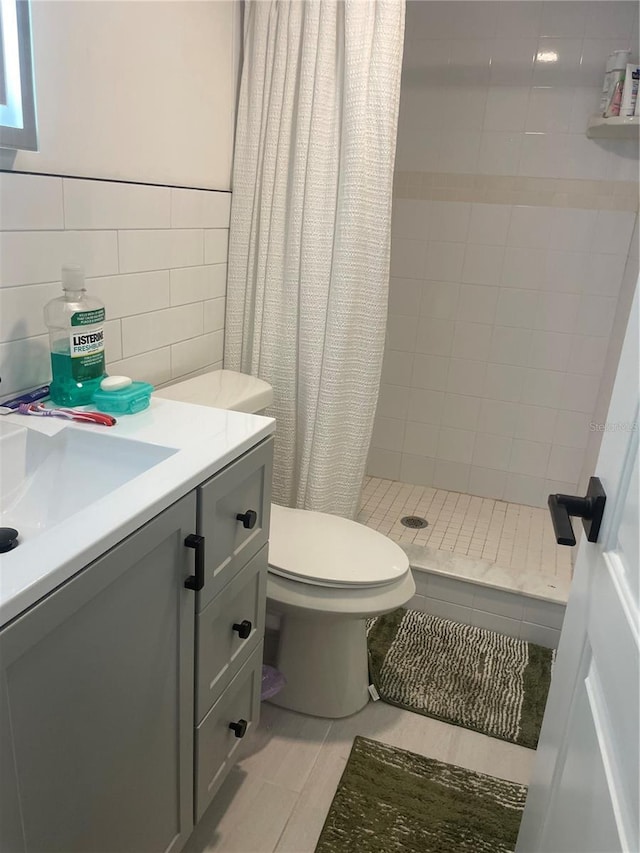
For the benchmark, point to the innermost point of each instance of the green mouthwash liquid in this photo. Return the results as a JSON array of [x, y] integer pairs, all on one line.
[[76, 340]]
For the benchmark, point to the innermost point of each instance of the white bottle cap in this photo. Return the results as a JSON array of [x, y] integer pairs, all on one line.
[[72, 277], [115, 383]]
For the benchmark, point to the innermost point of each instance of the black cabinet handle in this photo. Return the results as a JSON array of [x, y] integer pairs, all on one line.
[[240, 728], [248, 518], [590, 509], [196, 582], [243, 628]]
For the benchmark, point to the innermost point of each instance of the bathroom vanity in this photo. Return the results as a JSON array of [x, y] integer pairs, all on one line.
[[130, 680]]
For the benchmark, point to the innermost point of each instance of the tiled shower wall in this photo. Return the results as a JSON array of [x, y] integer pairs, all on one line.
[[156, 256], [511, 233]]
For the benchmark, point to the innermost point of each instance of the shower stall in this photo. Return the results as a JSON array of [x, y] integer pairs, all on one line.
[[513, 265]]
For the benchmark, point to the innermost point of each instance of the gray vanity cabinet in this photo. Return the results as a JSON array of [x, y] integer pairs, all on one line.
[[125, 694], [97, 699]]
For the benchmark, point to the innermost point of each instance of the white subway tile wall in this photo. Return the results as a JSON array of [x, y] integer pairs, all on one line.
[[513, 96], [156, 256], [500, 313]]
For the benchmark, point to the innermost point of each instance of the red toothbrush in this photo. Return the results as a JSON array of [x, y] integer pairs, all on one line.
[[68, 414]]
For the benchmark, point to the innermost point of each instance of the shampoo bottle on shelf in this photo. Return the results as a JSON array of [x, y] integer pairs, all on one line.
[[76, 340], [613, 83], [630, 91]]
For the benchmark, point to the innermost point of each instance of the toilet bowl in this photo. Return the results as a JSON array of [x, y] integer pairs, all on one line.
[[327, 576]]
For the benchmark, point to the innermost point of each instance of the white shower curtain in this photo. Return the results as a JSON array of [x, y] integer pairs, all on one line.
[[310, 232]]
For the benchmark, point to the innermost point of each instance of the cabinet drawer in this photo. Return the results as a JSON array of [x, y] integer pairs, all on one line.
[[242, 488], [217, 746], [221, 650]]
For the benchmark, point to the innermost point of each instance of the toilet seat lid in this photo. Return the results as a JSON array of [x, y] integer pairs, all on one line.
[[327, 550]]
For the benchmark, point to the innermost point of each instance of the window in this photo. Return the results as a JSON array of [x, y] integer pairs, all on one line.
[[17, 97]]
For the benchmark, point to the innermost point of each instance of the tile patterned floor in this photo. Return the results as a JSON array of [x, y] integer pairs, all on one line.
[[512, 536], [276, 799]]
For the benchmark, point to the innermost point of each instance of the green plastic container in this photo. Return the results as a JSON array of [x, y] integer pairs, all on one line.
[[126, 401]]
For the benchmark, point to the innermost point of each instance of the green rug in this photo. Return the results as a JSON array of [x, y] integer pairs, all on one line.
[[461, 674], [392, 800]]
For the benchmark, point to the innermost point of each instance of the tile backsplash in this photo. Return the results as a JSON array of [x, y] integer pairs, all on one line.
[[156, 256], [511, 232]]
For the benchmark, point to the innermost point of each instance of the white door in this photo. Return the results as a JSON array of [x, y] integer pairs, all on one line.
[[584, 793]]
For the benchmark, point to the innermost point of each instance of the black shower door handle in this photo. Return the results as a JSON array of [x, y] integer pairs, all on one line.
[[589, 508]]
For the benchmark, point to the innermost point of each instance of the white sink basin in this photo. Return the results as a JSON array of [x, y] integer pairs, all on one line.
[[73, 491], [45, 479]]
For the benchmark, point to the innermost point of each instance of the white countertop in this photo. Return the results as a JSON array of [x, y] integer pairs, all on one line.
[[204, 440]]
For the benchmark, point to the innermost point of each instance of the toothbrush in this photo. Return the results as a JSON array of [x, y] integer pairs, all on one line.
[[28, 397], [69, 414]]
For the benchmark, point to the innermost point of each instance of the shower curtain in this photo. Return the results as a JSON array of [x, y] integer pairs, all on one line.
[[310, 232]]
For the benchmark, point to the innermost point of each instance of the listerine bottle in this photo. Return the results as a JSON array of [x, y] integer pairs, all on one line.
[[76, 341]]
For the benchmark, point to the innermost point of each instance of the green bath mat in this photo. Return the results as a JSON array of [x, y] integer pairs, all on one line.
[[393, 801], [461, 674]]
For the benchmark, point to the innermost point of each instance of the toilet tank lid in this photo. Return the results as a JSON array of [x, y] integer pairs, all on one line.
[[223, 389]]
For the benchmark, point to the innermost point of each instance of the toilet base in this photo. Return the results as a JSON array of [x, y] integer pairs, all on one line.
[[325, 663]]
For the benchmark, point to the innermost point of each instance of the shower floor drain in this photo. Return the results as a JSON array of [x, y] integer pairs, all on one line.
[[414, 521]]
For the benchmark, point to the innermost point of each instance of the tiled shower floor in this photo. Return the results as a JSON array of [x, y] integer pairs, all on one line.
[[515, 538]]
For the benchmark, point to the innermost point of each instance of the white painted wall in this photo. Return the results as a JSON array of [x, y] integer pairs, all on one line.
[[136, 91], [140, 92]]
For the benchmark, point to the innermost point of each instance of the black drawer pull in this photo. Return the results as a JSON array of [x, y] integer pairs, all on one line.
[[240, 728], [196, 582], [243, 628], [248, 518]]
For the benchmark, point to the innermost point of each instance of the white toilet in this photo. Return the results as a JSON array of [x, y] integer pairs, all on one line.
[[327, 576]]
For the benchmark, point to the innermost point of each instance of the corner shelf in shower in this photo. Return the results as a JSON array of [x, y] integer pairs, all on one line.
[[616, 127]]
